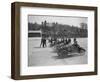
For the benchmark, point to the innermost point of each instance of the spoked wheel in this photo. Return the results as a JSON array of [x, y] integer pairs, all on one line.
[[81, 50]]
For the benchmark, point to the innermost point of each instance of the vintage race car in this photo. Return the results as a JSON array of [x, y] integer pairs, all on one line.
[[65, 50]]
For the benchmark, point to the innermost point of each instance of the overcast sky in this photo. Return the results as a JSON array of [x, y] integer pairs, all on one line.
[[60, 19]]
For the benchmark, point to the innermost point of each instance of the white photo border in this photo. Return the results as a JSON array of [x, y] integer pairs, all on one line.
[[25, 70]]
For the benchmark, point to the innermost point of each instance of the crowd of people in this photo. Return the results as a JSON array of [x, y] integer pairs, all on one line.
[[63, 46], [67, 46]]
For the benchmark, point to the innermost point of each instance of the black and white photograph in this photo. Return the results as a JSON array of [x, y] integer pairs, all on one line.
[[53, 40], [57, 40]]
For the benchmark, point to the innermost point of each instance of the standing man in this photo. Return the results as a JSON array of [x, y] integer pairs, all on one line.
[[44, 43], [41, 42]]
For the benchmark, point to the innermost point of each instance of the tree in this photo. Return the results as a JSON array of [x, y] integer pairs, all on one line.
[[83, 25]]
